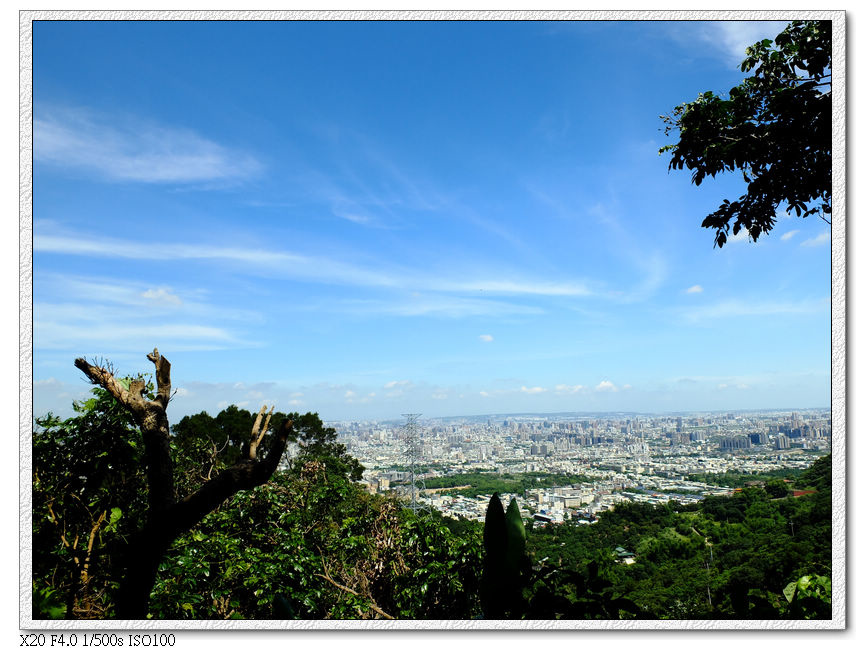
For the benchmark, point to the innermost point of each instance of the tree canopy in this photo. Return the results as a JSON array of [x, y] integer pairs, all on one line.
[[775, 127]]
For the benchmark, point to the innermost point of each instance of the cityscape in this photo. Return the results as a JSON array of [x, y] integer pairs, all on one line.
[[618, 457]]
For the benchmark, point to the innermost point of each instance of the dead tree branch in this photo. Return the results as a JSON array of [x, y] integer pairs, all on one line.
[[258, 431]]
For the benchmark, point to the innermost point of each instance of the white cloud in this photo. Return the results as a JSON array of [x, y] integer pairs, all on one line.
[[819, 240], [565, 388], [401, 383], [607, 386], [533, 391], [788, 235], [127, 149], [695, 289], [486, 338], [162, 294]]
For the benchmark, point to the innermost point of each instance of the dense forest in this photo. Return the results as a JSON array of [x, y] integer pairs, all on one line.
[[311, 543]]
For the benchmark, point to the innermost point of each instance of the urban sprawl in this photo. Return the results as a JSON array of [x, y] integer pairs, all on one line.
[[618, 458]]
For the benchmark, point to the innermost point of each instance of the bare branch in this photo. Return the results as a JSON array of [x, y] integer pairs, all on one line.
[[102, 377], [258, 431], [84, 571], [163, 377]]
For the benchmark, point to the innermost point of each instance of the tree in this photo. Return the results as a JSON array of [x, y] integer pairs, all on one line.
[[776, 127], [168, 515]]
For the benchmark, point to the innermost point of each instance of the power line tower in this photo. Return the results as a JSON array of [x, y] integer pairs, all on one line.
[[412, 450]]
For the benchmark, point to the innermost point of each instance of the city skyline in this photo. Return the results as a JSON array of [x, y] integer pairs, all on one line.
[[368, 219]]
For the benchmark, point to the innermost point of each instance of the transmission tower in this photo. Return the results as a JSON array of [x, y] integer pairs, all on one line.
[[412, 450]]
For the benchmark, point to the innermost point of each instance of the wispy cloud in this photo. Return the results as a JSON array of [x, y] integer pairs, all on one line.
[[740, 308], [401, 383], [82, 314], [819, 240], [93, 329], [535, 390], [486, 338], [695, 289], [537, 288], [733, 37], [564, 389], [788, 235], [123, 148], [728, 39], [438, 306], [311, 268], [651, 265]]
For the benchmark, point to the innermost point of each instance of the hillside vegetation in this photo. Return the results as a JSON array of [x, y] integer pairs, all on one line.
[[312, 544]]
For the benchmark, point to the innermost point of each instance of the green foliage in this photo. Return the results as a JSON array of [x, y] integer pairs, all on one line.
[[726, 557], [89, 496], [776, 488], [808, 597], [736, 479], [775, 127], [818, 476], [313, 545], [205, 445], [318, 442], [47, 603], [482, 483], [583, 593], [446, 578]]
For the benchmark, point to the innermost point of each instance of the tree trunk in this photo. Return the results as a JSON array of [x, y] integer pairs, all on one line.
[[143, 555]]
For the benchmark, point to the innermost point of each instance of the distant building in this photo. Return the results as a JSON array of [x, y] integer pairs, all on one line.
[[738, 442]]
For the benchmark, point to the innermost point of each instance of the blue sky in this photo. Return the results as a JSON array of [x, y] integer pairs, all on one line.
[[366, 219]]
